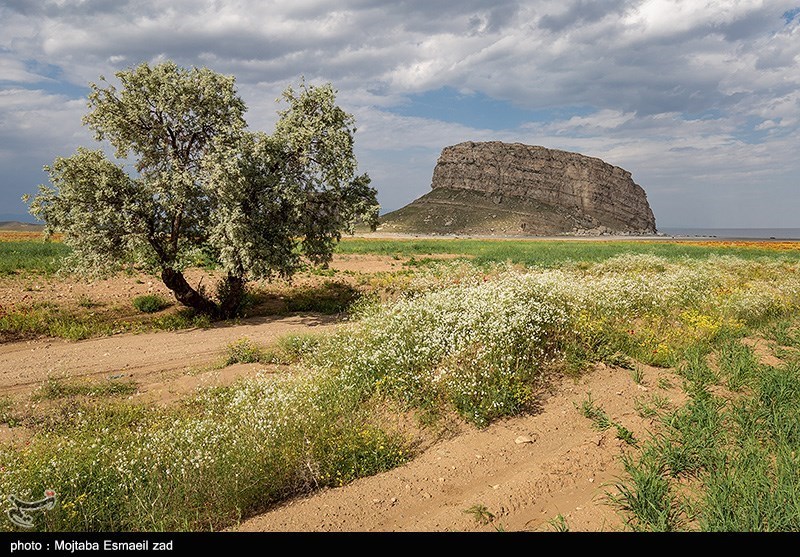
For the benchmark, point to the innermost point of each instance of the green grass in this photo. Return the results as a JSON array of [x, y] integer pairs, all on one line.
[[31, 256], [289, 349], [7, 414], [637, 374], [150, 303], [742, 453], [738, 364], [44, 257], [647, 499], [786, 333], [184, 318], [652, 406], [330, 297], [602, 422], [758, 488], [245, 351], [548, 253], [593, 412], [54, 320], [293, 347], [202, 465], [51, 320], [55, 388], [559, 523], [480, 513]]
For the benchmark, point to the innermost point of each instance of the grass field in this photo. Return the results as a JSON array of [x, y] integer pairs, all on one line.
[[31, 254], [467, 340], [552, 253]]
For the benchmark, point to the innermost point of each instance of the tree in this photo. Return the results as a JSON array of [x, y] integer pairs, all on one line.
[[255, 203]]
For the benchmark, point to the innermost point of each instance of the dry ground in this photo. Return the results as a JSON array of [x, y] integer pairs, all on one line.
[[525, 471]]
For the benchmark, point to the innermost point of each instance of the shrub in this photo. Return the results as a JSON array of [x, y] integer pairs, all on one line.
[[150, 303], [243, 351]]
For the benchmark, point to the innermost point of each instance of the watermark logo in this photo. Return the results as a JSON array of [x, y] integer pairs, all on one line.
[[19, 513]]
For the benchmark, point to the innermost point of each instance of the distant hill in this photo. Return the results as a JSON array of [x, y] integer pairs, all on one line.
[[16, 226], [525, 190]]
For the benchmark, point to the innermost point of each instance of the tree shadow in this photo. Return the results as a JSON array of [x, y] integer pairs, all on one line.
[[329, 298]]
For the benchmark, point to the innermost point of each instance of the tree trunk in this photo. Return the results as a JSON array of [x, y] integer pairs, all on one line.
[[231, 293], [187, 295]]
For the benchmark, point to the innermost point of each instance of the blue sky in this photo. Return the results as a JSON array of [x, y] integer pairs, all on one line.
[[699, 100]]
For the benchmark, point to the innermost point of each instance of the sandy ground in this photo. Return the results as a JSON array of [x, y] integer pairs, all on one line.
[[163, 364], [526, 471]]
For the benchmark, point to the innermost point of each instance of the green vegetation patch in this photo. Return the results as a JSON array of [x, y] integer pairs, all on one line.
[[150, 303], [54, 389], [550, 253], [741, 453], [51, 320], [31, 256]]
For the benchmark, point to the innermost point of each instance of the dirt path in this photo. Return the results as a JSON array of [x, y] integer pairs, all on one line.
[[525, 471], [150, 359]]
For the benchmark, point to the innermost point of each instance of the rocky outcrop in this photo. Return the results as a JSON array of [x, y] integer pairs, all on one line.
[[511, 188]]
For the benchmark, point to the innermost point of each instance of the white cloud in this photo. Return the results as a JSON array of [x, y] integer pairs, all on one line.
[[34, 121], [12, 70]]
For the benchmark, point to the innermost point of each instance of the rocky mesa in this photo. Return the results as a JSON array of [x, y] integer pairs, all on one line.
[[516, 189]]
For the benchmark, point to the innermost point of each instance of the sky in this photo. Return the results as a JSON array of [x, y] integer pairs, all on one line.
[[699, 100]]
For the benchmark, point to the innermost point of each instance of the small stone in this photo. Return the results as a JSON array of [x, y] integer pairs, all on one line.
[[599, 440], [523, 439], [619, 393], [496, 486], [376, 500], [394, 500], [591, 480], [642, 388]]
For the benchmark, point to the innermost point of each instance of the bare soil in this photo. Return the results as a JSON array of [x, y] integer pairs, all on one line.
[[522, 472], [525, 471], [165, 361]]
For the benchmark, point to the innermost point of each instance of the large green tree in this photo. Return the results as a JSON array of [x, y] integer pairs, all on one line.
[[255, 203]]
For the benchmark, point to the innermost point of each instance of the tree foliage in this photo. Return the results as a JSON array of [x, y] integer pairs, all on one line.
[[255, 203]]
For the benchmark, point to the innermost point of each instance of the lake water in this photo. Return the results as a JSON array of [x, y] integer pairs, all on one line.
[[738, 233]]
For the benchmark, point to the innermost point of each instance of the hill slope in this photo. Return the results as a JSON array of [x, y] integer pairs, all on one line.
[[16, 226]]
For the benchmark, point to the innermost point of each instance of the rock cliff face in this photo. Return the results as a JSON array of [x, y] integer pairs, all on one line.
[[495, 187]]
